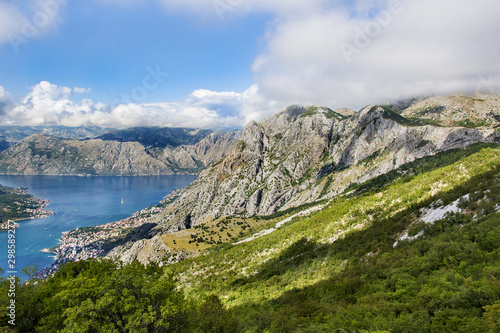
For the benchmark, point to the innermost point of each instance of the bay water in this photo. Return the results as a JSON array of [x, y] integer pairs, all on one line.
[[80, 202]]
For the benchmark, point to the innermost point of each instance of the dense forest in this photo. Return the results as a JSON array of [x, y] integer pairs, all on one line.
[[371, 261]]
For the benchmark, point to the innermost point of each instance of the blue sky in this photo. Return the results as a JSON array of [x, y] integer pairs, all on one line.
[[107, 47], [221, 63]]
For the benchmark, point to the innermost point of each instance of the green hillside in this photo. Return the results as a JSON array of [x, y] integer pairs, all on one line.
[[367, 262]]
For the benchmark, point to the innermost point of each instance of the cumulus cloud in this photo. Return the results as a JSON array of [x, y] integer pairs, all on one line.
[[50, 104], [376, 51], [6, 103], [335, 53], [351, 53]]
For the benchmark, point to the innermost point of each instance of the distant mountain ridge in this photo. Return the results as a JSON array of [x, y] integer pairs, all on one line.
[[13, 134], [480, 110], [194, 150], [156, 137]]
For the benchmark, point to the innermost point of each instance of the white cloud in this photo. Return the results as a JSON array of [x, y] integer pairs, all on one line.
[[82, 90], [340, 53], [3, 94], [353, 53], [423, 47], [6, 103], [335, 53], [50, 104], [10, 20]]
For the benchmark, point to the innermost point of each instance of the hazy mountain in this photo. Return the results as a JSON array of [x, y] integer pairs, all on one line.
[[480, 110], [14, 134]]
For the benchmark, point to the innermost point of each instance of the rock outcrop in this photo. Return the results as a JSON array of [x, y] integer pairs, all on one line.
[[456, 110]]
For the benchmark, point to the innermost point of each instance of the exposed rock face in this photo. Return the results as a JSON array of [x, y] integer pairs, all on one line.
[[41, 154], [296, 156], [457, 110], [48, 155], [301, 155], [288, 159], [157, 137], [198, 156]]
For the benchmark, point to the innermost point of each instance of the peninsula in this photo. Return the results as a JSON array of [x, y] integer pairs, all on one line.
[[17, 205]]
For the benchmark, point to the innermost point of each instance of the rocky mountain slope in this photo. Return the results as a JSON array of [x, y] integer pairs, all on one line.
[[157, 137], [302, 155], [456, 110], [299, 156], [49, 155], [414, 250]]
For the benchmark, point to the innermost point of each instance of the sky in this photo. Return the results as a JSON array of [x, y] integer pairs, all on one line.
[[221, 63]]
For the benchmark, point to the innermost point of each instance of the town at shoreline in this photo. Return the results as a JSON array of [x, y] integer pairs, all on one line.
[[91, 242]]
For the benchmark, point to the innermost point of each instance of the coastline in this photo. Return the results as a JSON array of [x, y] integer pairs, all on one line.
[[93, 242], [36, 213]]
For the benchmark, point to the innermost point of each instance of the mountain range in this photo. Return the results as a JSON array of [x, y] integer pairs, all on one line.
[[302, 156], [135, 151], [312, 220]]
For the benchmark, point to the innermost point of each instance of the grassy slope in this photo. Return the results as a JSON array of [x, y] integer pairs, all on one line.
[[218, 231], [328, 255]]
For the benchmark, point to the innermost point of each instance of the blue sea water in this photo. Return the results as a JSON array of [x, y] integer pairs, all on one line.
[[80, 202]]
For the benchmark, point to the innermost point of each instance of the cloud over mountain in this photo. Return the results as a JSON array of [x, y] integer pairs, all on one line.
[[349, 53], [381, 50], [334, 53]]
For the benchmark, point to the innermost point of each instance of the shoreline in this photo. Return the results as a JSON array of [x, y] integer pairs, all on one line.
[[90, 242], [36, 213]]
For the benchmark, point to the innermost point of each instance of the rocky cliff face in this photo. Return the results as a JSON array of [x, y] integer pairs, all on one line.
[[48, 155], [303, 154], [196, 157], [457, 110]]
